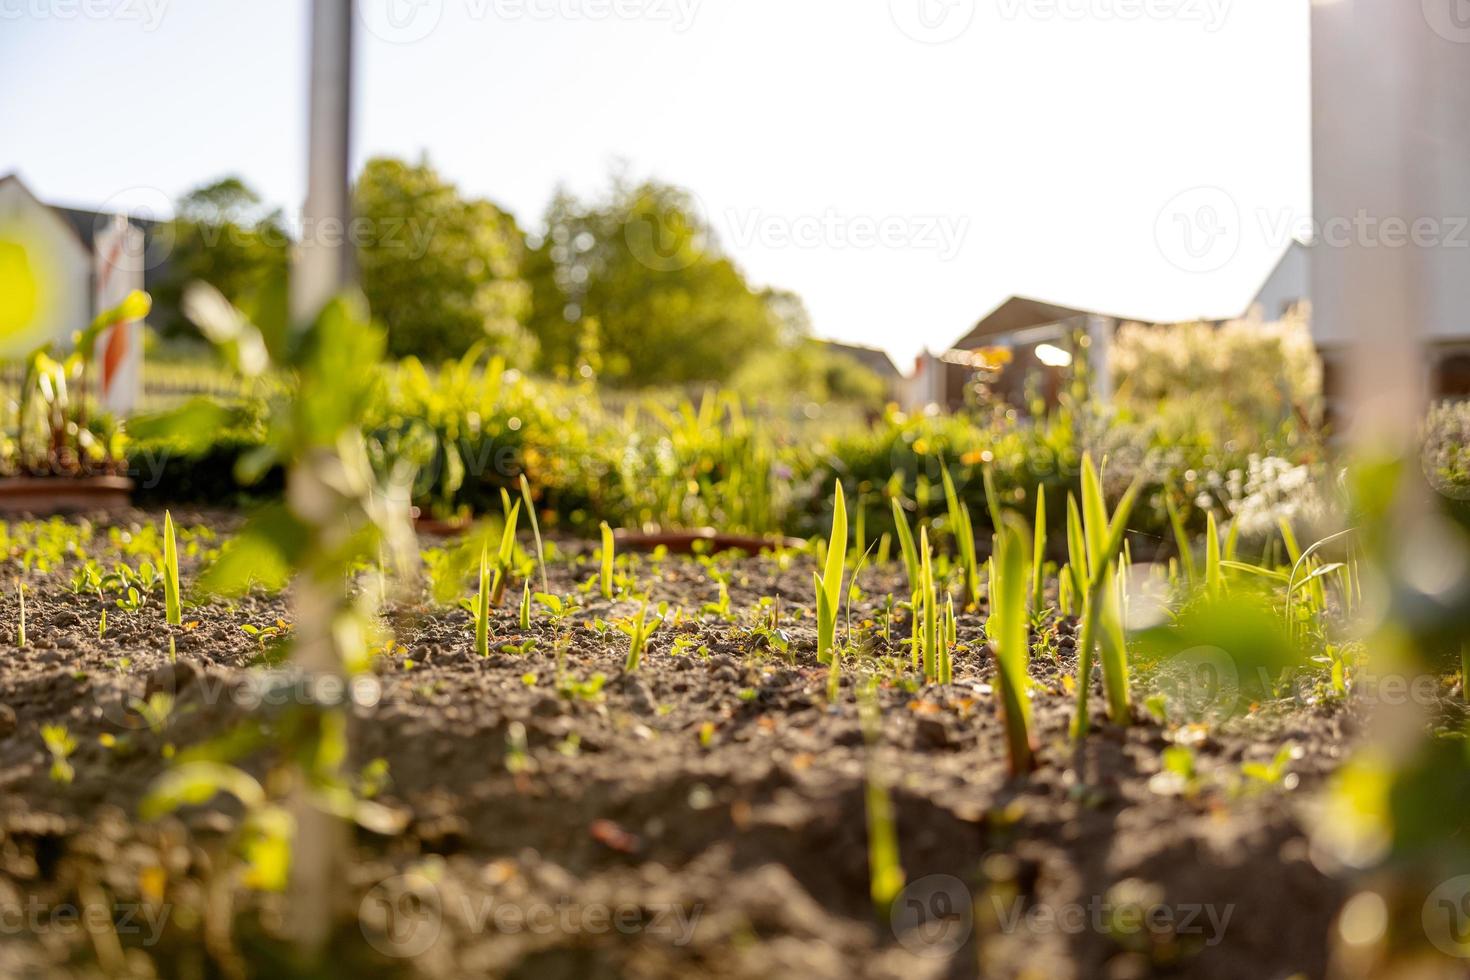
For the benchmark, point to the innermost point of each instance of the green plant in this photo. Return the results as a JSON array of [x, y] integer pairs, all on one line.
[[605, 572], [638, 630], [927, 616], [535, 531], [482, 605], [525, 607], [505, 554], [60, 744], [173, 610], [885, 869], [1007, 631], [1038, 553], [829, 581], [1095, 539], [964, 536]]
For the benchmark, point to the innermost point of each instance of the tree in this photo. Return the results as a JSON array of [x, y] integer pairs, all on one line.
[[441, 271], [222, 234], [638, 281]]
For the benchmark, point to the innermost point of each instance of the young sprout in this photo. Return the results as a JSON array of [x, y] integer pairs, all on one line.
[[1095, 541], [506, 553], [1006, 628], [929, 629], [605, 579], [1214, 574], [1181, 539], [173, 613], [885, 872], [906, 545], [482, 605], [948, 636], [829, 581], [535, 531], [964, 534], [60, 744], [526, 605], [638, 631], [1038, 552]]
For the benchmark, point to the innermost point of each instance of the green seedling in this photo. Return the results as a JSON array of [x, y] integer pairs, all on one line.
[[481, 611], [605, 576], [525, 609], [964, 535], [1181, 539], [1006, 628], [535, 531], [638, 630], [906, 546], [1214, 573], [885, 871], [505, 554], [829, 581], [155, 711], [928, 615], [173, 611], [1038, 553], [1095, 540], [60, 744]]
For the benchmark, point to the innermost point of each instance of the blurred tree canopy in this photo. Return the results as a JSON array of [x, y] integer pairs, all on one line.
[[223, 234], [441, 271], [635, 288]]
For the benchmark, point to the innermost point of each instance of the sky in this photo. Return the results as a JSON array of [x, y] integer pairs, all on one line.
[[903, 165]]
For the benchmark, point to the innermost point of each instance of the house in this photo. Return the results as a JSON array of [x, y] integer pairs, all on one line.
[[1039, 341], [59, 268], [875, 360]]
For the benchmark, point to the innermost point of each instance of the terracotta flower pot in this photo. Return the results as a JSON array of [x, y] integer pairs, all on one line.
[[44, 495]]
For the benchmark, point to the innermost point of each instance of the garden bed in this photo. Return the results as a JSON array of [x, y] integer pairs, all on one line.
[[705, 816]]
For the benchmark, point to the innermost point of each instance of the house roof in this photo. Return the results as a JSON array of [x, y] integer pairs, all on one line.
[[872, 358], [84, 241], [1020, 313]]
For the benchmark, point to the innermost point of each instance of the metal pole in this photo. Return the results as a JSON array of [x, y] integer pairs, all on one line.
[[322, 270], [324, 262]]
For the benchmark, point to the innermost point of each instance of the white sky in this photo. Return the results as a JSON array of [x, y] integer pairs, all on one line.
[[902, 164]]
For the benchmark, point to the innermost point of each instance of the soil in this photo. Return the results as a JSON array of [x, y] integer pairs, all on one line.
[[704, 816]]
